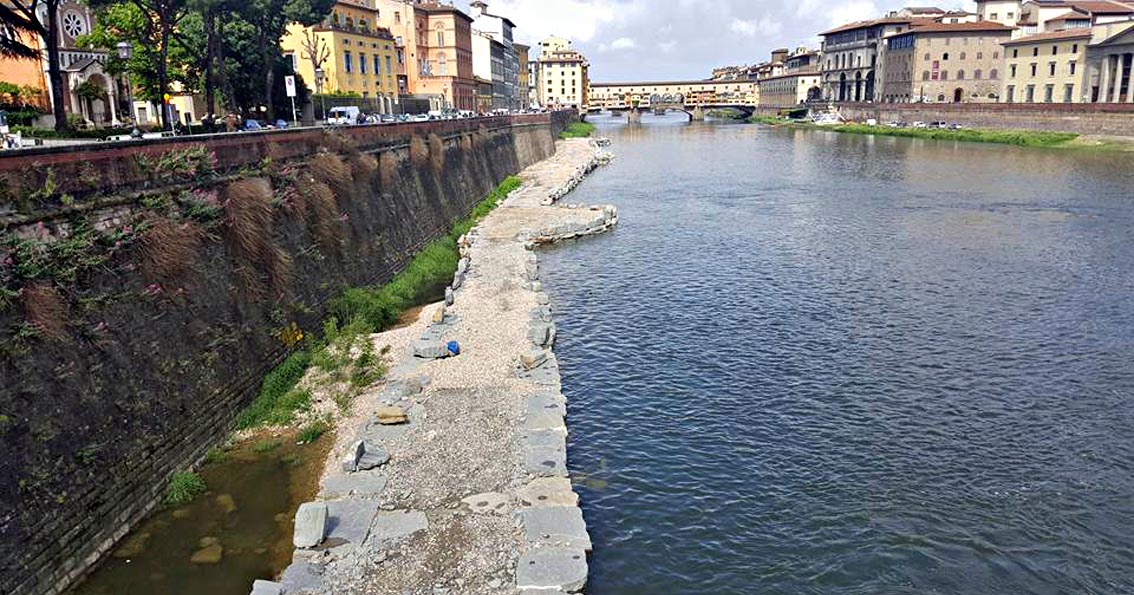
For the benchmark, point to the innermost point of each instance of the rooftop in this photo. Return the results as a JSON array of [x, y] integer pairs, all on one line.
[[874, 22], [1051, 36]]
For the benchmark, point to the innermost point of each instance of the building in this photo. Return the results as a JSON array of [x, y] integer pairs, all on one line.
[[852, 56], [354, 53], [1005, 12], [88, 91], [563, 75], [1047, 68], [798, 82], [945, 62], [489, 71], [524, 66], [691, 93], [501, 29], [1110, 59]]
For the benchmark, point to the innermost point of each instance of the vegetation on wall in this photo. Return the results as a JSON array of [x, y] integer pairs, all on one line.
[[578, 130]]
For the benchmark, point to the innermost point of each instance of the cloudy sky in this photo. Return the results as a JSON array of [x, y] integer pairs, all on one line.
[[629, 40]]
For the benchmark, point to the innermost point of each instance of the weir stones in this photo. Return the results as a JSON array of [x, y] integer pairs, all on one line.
[[310, 525], [559, 568]]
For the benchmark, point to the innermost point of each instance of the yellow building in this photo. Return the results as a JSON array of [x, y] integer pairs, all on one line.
[[354, 53], [1047, 68]]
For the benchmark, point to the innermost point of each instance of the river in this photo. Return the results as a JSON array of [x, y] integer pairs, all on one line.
[[809, 362]]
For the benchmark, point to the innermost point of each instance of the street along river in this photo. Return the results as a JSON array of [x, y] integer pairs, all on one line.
[[818, 363]]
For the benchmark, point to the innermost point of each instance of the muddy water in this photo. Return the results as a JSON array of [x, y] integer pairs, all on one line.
[[249, 510]]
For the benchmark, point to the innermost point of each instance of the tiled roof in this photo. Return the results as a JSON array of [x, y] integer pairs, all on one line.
[[961, 27], [871, 23], [1051, 36]]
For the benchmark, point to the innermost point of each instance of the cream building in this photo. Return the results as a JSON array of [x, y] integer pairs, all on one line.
[[1111, 64], [798, 82], [1047, 68], [852, 57], [1005, 12], [563, 75], [945, 62]]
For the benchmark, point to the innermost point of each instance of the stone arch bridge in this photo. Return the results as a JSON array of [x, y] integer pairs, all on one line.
[[695, 99]]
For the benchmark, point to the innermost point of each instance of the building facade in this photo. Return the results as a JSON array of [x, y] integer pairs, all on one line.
[[798, 82], [852, 56], [945, 63], [691, 93], [524, 76], [354, 53], [489, 71], [563, 75], [1110, 58], [1047, 68], [445, 57], [501, 30]]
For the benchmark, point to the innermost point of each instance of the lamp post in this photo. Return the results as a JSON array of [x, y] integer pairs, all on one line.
[[319, 89], [125, 50]]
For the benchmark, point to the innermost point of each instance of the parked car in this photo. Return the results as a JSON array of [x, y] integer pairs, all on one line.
[[344, 116], [919, 125], [939, 125], [251, 125], [955, 126]]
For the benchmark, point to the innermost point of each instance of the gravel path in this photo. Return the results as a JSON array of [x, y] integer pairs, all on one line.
[[474, 498]]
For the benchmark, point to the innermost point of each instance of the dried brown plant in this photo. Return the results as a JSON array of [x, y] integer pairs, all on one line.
[[363, 166], [436, 152], [45, 310], [330, 169], [170, 250], [419, 152], [326, 219], [248, 233], [388, 164]]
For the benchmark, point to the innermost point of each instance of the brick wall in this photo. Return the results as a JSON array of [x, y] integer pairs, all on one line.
[[93, 424]]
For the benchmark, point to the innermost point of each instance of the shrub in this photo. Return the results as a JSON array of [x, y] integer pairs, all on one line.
[[578, 130], [169, 250], [184, 488], [278, 400], [312, 432], [46, 311]]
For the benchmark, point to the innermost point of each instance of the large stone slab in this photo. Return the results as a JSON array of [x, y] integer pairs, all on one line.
[[544, 439], [556, 526], [544, 402], [545, 462], [389, 526], [559, 568], [545, 492], [302, 578], [350, 520], [364, 484], [266, 588], [310, 524]]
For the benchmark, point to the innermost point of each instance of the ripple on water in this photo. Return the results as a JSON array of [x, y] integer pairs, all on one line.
[[802, 365]]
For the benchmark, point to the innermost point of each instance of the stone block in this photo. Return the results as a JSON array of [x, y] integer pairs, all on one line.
[[430, 350], [545, 462], [438, 315], [354, 453], [389, 526], [539, 333], [260, 587], [458, 281], [544, 439], [543, 299], [310, 524], [559, 568], [302, 578], [373, 458], [449, 297], [462, 266], [536, 286], [350, 520], [364, 484], [544, 402], [533, 359], [391, 415], [544, 492], [556, 526]]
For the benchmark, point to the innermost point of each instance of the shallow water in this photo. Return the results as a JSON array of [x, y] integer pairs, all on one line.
[[249, 509], [818, 363]]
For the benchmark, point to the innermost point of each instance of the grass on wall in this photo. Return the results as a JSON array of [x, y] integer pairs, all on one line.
[[1021, 138], [577, 130], [361, 311]]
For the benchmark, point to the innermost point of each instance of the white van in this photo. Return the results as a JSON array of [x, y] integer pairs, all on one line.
[[343, 116]]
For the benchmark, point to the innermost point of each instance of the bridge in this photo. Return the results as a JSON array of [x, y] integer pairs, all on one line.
[[694, 98]]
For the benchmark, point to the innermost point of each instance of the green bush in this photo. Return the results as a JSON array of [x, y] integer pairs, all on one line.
[[312, 432], [1023, 138], [578, 130], [278, 400], [183, 488]]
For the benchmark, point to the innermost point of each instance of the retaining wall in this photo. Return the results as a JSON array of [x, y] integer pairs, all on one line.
[[118, 374], [1101, 119]]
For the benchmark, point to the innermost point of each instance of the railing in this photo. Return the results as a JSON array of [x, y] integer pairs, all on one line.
[[69, 57]]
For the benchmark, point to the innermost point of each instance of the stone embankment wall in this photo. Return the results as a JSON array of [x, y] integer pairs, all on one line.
[[147, 289], [1096, 119]]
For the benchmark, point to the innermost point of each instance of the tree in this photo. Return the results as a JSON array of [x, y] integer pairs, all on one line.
[[270, 19], [12, 27], [22, 15], [315, 49]]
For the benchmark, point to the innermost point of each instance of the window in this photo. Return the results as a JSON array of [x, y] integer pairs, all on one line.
[[980, 55], [995, 55], [945, 57], [1011, 70], [442, 65], [1051, 69], [1054, 50], [977, 74], [1011, 95], [960, 75], [1035, 52], [378, 64], [441, 38], [1015, 53], [389, 66], [1011, 16], [995, 16], [1048, 93], [362, 63], [1071, 66], [1030, 95], [925, 75], [1034, 66], [1075, 49], [347, 65], [994, 74], [927, 57], [944, 75], [397, 18], [1068, 93], [962, 55]]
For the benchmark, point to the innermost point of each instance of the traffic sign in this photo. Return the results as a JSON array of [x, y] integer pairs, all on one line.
[[289, 82]]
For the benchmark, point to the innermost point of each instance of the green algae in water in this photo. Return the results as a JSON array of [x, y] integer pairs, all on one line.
[[248, 512]]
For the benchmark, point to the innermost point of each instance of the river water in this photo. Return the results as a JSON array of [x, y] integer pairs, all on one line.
[[818, 363]]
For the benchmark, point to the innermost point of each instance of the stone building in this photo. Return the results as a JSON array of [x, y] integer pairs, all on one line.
[[89, 92], [501, 30], [523, 63], [563, 75], [945, 62], [852, 56], [798, 83], [489, 71], [1047, 68], [354, 53], [1110, 58]]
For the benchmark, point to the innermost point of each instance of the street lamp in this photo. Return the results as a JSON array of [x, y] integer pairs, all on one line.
[[125, 50], [319, 89]]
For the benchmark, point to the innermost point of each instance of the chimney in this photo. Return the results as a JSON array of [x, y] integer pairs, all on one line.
[[477, 8]]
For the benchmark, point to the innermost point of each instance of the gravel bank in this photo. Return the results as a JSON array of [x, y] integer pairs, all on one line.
[[474, 498]]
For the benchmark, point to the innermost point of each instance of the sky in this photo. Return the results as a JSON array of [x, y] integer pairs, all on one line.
[[657, 40]]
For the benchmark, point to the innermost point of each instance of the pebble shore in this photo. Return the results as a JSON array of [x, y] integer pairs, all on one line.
[[471, 495]]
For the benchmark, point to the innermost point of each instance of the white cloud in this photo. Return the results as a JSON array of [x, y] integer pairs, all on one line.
[[753, 27], [578, 20], [623, 43]]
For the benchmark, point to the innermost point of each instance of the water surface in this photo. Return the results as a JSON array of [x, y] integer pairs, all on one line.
[[818, 363]]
